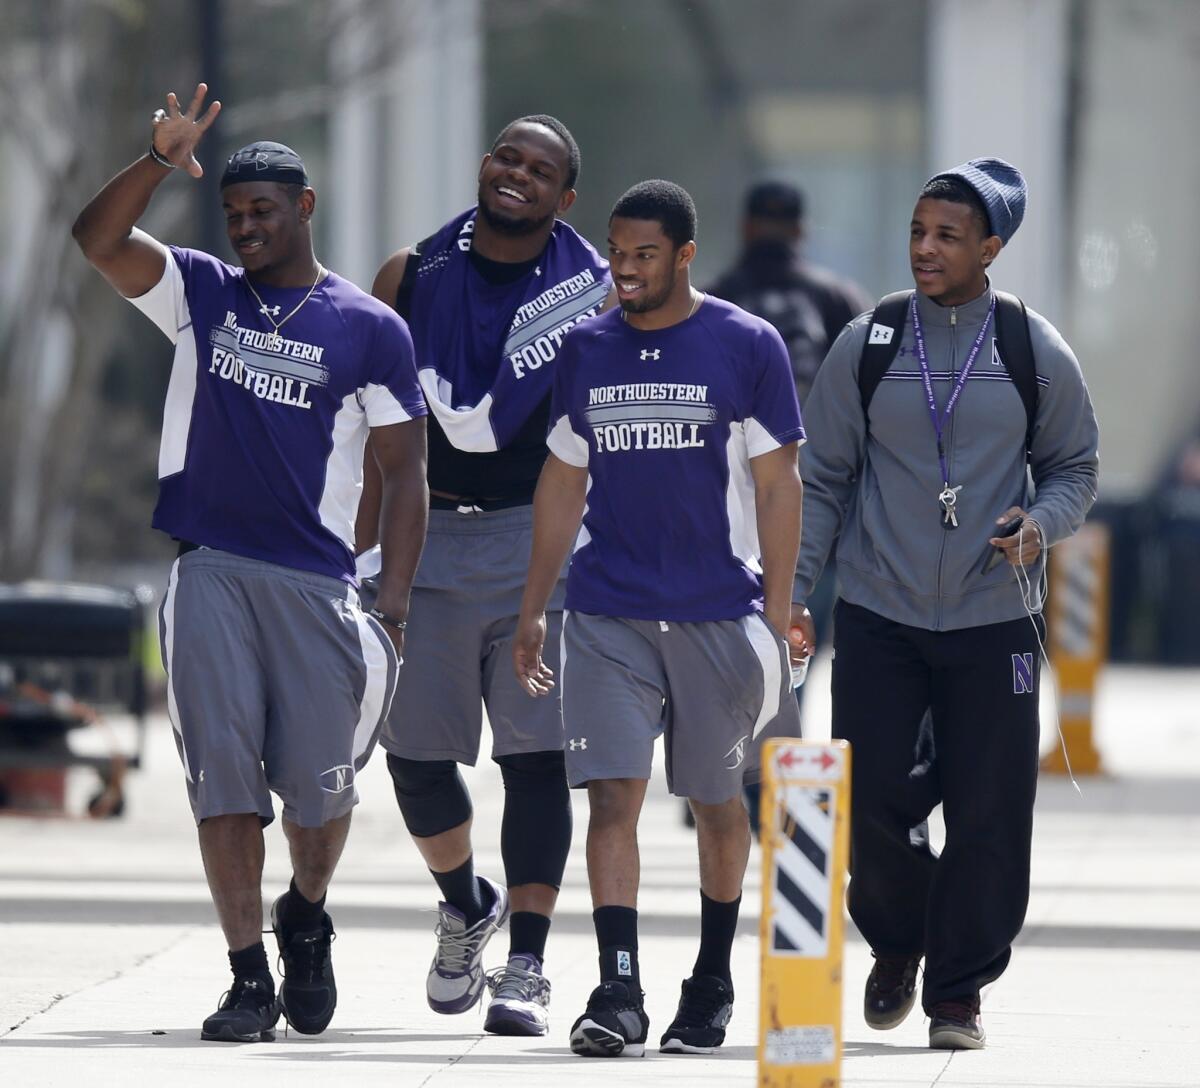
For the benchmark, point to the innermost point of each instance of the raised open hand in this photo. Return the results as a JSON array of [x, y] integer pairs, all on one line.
[[177, 132]]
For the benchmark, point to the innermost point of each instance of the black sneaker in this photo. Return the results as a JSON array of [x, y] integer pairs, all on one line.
[[613, 1025], [247, 1014], [308, 993], [956, 1024], [891, 990], [705, 1007]]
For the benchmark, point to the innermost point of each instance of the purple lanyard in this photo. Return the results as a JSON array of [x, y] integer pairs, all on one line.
[[939, 422]]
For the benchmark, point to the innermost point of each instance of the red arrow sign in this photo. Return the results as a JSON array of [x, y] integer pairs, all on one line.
[[823, 758]]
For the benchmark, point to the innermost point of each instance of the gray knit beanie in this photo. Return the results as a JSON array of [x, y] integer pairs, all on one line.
[[1001, 188]]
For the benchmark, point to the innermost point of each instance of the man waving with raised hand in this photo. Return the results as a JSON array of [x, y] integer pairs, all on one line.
[[277, 679]]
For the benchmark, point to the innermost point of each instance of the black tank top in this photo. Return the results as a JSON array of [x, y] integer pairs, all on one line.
[[507, 476]]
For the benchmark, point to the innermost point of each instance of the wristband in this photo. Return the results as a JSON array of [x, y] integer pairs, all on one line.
[[383, 617], [159, 158]]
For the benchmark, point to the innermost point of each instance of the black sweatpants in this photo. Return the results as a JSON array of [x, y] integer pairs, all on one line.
[[961, 910]]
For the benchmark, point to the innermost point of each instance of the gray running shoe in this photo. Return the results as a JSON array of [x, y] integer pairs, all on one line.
[[520, 1002], [455, 980], [957, 1025]]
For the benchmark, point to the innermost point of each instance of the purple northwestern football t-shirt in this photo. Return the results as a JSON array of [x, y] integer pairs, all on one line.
[[666, 423], [263, 438]]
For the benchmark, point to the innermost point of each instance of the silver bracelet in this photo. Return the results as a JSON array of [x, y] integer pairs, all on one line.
[[158, 158]]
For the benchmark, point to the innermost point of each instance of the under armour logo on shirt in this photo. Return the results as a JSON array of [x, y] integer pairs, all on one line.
[[881, 334], [270, 311], [579, 745], [651, 353]]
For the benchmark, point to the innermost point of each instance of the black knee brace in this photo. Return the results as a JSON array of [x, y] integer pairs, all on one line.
[[535, 836], [431, 794]]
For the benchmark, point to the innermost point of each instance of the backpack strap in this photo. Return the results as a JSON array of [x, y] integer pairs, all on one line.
[[1016, 353], [883, 341], [1012, 334]]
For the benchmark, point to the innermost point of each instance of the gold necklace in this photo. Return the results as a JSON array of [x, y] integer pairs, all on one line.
[[274, 340]]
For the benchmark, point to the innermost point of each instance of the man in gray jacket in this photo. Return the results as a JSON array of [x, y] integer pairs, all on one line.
[[916, 480]]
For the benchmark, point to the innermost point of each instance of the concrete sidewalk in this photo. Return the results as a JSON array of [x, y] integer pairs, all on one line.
[[111, 955]]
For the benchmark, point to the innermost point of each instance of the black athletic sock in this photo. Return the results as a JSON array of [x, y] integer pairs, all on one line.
[[718, 926], [464, 891], [527, 933], [616, 934], [251, 962], [299, 915]]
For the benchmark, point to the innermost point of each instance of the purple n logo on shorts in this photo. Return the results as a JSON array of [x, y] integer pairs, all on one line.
[[1022, 674]]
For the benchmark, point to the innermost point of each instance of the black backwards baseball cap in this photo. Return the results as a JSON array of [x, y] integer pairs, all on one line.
[[775, 200], [1000, 186], [264, 160]]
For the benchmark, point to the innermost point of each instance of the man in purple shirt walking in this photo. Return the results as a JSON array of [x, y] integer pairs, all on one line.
[[277, 681], [673, 437]]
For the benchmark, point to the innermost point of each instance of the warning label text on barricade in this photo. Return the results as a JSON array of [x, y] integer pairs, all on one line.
[[813, 1045]]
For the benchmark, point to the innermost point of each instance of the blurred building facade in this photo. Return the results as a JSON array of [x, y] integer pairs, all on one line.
[[393, 103]]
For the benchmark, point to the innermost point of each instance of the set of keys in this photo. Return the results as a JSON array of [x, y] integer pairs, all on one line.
[[948, 498]]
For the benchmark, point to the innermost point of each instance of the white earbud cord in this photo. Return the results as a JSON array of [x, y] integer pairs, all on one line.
[[1034, 598]]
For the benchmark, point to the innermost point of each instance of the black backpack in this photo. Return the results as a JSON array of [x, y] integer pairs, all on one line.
[[1012, 335]]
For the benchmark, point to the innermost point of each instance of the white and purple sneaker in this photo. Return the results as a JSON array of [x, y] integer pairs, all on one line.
[[520, 1002], [455, 980]]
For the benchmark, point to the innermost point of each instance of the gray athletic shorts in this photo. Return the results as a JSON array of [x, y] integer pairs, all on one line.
[[716, 690], [458, 647], [276, 680]]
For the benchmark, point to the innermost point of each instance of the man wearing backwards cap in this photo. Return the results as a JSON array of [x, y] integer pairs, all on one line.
[[913, 480], [277, 680]]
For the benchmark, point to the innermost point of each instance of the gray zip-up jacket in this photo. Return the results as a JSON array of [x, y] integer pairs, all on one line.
[[873, 487]]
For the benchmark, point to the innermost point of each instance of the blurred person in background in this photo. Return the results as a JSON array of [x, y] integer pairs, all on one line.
[[276, 679], [809, 306], [489, 297], [675, 422], [935, 423], [1174, 506]]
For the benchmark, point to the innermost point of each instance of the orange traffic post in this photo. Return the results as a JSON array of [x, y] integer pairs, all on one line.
[[806, 848], [1078, 634]]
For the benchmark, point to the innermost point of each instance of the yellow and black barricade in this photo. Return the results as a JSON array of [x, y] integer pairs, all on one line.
[[1078, 636], [806, 847]]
